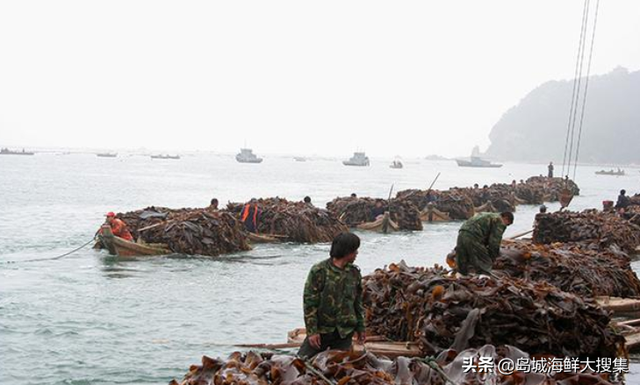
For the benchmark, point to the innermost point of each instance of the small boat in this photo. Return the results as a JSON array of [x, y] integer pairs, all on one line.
[[246, 155], [358, 159], [477, 162], [165, 156], [6, 151], [300, 158], [383, 225], [107, 154], [123, 248], [619, 172], [265, 238], [396, 164], [431, 214]]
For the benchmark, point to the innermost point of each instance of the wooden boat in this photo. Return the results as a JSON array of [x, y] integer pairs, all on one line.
[[107, 154], [123, 248], [375, 344], [165, 156], [486, 208], [383, 225], [265, 238], [431, 214], [611, 172]]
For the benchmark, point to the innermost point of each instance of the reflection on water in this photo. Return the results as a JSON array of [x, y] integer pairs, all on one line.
[[82, 322]]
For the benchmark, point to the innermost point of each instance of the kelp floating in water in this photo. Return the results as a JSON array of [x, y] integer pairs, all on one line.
[[350, 368], [294, 221], [439, 311]]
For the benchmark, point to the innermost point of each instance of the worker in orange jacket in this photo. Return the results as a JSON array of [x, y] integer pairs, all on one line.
[[250, 216], [118, 227]]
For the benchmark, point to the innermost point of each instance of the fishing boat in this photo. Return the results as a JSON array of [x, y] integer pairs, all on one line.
[[618, 172], [431, 214], [127, 249], [300, 158], [475, 161], [107, 154], [358, 159], [246, 155], [165, 156], [6, 151], [396, 164]]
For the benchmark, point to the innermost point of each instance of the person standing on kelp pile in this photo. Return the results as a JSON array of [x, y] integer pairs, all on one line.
[[377, 211], [214, 204], [623, 200], [333, 310], [307, 201], [550, 168], [479, 241], [251, 216]]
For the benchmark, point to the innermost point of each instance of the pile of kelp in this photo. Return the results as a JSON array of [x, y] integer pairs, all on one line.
[[575, 268], [351, 368], [498, 197], [591, 226], [439, 311], [552, 187], [456, 202], [188, 231], [355, 211], [294, 221]]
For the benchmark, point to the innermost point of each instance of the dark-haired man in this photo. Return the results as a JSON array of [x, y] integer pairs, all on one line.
[[333, 309], [479, 241]]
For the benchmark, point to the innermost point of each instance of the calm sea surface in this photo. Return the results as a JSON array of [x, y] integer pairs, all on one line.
[[92, 319]]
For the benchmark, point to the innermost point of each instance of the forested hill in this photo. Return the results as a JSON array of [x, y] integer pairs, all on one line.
[[535, 129]]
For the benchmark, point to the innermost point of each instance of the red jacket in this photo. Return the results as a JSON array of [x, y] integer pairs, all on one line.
[[119, 229]]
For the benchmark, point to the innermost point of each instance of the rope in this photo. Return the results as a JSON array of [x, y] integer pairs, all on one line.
[[575, 78], [59, 256], [586, 87]]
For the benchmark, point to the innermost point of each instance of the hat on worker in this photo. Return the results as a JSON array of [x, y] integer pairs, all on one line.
[[111, 214]]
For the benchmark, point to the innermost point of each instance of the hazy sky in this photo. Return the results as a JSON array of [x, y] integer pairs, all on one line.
[[326, 77]]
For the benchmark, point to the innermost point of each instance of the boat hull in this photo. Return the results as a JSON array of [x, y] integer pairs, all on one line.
[[126, 249]]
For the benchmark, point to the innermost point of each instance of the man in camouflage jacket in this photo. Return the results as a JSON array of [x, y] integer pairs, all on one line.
[[479, 241], [333, 309]]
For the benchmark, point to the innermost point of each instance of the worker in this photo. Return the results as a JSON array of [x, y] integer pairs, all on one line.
[[214, 204], [118, 227], [623, 200], [332, 300], [353, 195], [377, 211], [476, 186], [543, 209], [251, 216], [479, 241], [430, 197], [550, 168], [307, 200]]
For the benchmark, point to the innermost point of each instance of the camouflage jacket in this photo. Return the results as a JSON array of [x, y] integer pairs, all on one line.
[[333, 299], [486, 228]]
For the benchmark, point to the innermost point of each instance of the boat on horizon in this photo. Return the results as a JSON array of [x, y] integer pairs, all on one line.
[[6, 151], [165, 156], [611, 172], [300, 158], [246, 155], [107, 154], [397, 164], [477, 162], [358, 159]]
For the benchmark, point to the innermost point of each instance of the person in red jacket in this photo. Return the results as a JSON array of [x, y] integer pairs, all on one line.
[[118, 227]]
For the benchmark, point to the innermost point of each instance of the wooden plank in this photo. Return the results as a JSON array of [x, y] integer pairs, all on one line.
[[619, 305]]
